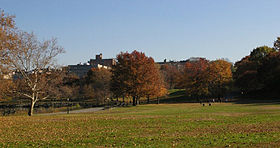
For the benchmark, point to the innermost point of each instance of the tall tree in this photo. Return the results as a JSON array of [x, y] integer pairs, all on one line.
[[196, 78], [246, 73], [154, 83], [269, 73], [135, 75], [220, 75], [8, 39], [32, 60]]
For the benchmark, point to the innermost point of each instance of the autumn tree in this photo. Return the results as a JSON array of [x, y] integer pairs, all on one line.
[[5, 86], [119, 87], [135, 75], [154, 83], [97, 83], [220, 77], [246, 73], [70, 87], [259, 53], [269, 73], [32, 61], [172, 76], [196, 78], [60, 84], [8, 39]]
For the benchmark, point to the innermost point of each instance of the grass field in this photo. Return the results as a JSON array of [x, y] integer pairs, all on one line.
[[167, 125]]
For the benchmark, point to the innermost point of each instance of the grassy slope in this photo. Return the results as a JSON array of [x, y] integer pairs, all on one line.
[[165, 125]]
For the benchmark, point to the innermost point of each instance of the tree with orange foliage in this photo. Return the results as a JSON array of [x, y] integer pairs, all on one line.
[[196, 78], [220, 75], [155, 85], [5, 86], [135, 75], [8, 39], [205, 78], [172, 76]]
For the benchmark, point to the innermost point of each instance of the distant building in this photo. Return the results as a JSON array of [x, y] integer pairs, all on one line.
[[81, 70], [177, 64], [180, 64], [99, 60], [195, 59], [16, 74]]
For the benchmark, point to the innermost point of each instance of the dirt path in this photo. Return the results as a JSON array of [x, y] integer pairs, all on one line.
[[87, 110]]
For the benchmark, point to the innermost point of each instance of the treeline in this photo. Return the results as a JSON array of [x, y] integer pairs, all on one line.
[[201, 78], [258, 74], [137, 76], [134, 76], [28, 71], [255, 75]]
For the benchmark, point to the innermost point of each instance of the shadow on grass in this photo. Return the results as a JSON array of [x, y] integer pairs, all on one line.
[[174, 96], [256, 101], [179, 96]]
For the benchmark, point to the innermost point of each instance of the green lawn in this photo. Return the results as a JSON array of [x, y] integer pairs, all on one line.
[[178, 125]]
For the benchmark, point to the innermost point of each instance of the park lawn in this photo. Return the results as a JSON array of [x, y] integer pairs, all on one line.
[[164, 125]]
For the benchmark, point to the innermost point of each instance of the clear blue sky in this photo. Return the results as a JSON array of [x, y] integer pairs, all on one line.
[[171, 29]]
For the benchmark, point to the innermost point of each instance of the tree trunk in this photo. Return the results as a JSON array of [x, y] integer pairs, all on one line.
[[30, 112], [138, 100], [134, 101], [157, 100], [148, 99]]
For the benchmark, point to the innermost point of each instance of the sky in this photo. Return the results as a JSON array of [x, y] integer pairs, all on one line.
[[163, 29]]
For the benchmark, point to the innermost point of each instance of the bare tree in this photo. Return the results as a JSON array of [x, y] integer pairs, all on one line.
[[34, 63]]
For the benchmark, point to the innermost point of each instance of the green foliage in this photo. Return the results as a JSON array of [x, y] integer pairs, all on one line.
[[277, 44], [258, 54], [258, 72]]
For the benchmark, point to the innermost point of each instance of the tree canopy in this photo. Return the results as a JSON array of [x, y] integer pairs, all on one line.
[[258, 73], [135, 75]]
